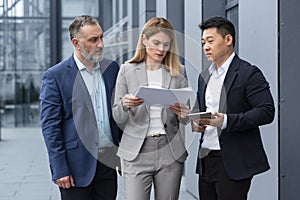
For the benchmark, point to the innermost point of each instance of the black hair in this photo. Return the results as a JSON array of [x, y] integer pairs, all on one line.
[[223, 25]]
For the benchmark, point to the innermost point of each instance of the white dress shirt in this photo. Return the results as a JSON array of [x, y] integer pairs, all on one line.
[[212, 100], [156, 125]]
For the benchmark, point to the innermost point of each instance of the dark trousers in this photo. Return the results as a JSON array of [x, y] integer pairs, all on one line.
[[103, 187], [214, 184]]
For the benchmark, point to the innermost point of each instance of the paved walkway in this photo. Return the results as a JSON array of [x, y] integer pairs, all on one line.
[[24, 171]]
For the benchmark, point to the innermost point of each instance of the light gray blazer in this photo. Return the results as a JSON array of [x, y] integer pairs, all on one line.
[[135, 121]]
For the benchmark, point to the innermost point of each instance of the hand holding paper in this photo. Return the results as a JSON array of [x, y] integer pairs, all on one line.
[[130, 101]]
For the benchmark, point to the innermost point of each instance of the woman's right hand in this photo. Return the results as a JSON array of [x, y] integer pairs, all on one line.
[[129, 101]]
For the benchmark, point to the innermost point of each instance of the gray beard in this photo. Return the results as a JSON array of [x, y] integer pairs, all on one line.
[[90, 56]]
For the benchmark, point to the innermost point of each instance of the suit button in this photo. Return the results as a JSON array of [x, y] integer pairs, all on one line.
[[165, 125]]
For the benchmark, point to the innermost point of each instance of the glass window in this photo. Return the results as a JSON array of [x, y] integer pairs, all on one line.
[[71, 9], [24, 42], [232, 13], [67, 47], [228, 2]]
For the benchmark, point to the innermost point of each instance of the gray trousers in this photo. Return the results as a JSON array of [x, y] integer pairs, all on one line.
[[155, 164]]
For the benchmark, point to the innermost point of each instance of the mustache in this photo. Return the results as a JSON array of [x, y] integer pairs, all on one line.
[[98, 49]]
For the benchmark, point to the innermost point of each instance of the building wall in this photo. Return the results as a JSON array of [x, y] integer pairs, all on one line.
[[193, 60], [289, 46], [258, 44]]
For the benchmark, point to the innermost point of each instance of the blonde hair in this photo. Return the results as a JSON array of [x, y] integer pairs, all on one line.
[[153, 26]]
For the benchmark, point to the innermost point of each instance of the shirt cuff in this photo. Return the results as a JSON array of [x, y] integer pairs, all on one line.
[[224, 126]]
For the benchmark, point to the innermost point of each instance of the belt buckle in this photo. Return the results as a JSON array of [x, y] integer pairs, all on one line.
[[155, 135]]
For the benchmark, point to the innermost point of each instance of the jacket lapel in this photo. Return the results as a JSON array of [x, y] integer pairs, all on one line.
[[229, 79], [85, 96], [166, 78], [80, 91], [202, 88], [141, 73]]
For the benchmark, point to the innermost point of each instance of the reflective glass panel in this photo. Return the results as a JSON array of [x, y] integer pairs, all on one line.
[[24, 55]]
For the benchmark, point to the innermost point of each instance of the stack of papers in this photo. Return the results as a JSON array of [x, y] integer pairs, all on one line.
[[164, 97]]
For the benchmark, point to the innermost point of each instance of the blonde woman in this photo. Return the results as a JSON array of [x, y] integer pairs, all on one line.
[[152, 148]]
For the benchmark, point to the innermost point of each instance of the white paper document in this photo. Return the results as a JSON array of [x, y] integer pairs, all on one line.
[[164, 97]]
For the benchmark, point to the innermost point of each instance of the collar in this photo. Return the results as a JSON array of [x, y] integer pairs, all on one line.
[[224, 68]]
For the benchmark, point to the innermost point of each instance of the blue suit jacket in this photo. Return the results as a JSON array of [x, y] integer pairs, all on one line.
[[68, 120], [247, 101]]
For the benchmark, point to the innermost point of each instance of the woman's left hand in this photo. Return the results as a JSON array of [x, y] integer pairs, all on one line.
[[180, 109]]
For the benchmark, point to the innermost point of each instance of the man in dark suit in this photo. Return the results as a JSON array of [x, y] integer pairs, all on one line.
[[238, 95], [80, 134]]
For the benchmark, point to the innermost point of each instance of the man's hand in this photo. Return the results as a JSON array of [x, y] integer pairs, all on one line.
[[217, 121], [65, 182], [199, 125]]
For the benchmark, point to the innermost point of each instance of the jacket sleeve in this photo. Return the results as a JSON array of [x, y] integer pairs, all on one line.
[[255, 106], [120, 114], [183, 84], [51, 107]]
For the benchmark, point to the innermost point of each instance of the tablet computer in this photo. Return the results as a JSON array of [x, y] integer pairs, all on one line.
[[201, 115]]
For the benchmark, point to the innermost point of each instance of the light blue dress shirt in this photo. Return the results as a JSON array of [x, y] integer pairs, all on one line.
[[96, 87]]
